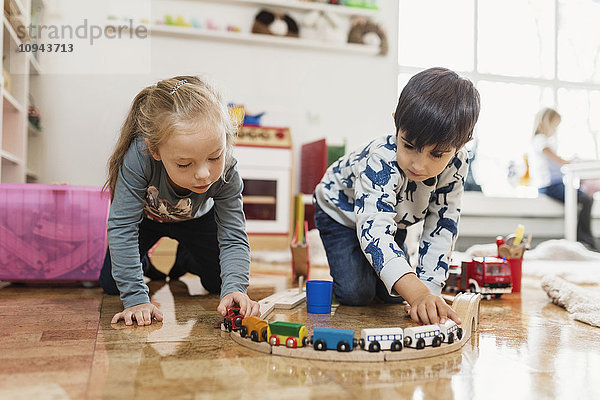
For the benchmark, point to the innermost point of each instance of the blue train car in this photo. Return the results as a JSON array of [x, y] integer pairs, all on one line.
[[330, 338]]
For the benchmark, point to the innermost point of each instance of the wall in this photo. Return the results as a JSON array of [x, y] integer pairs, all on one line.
[[318, 93]]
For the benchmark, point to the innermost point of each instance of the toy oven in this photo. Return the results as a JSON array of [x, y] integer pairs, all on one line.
[[264, 157]]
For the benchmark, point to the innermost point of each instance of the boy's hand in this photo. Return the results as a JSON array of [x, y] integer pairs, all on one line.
[[142, 313], [425, 307], [248, 307], [431, 309]]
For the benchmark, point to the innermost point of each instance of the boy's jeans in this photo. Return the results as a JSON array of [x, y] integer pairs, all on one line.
[[355, 282]]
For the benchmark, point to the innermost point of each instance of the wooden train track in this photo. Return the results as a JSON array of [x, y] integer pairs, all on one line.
[[466, 306]]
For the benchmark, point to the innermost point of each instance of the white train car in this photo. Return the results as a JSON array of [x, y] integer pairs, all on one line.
[[450, 331], [376, 339], [421, 336]]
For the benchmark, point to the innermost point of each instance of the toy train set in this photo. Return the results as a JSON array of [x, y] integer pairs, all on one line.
[[292, 339], [293, 335]]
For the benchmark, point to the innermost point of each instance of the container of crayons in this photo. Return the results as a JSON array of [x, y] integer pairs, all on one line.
[[512, 248]]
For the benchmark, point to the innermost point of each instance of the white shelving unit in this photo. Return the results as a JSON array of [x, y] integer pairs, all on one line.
[[17, 68], [249, 10], [169, 30]]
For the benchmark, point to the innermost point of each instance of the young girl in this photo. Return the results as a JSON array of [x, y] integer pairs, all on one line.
[[172, 174], [546, 165]]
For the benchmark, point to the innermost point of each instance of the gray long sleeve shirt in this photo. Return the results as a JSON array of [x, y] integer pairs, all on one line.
[[142, 190]]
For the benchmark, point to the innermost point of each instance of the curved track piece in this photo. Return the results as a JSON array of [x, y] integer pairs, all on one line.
[[466, 306]]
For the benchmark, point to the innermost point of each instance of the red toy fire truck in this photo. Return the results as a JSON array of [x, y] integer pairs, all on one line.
[[485, 275]]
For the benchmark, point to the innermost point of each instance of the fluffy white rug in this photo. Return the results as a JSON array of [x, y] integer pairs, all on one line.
[[581, 303]]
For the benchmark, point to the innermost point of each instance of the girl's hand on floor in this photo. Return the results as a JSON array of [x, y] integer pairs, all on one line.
[[431, 309], [142, 313], [248, 307]]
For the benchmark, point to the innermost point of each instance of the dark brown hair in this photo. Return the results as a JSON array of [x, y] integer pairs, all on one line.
[[437, 108]]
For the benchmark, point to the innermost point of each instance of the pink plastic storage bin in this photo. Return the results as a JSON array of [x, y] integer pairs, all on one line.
[[52, 232]]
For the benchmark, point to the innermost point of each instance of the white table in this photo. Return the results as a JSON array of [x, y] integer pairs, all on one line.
[[573, 174]]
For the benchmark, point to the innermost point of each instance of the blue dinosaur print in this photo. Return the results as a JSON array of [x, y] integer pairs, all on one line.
[[359, 204], [328, 185], [363, 153], [381, 177], [444, 223], [411, 187], [389, 144], [336, 168], [441, 264], [376, 255], [423, 250], [367, 231], [343, 202], [388, 231], [383, 206], [348, 181], [419, 270], [444, 191], [399, 253]]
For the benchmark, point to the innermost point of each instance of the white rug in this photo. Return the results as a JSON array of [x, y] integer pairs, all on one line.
[[583, 304]]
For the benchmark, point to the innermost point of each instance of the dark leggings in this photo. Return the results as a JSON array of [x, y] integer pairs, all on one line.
[[197, 252]]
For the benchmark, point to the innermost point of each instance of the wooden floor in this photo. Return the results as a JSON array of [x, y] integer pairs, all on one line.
[[58, 343]]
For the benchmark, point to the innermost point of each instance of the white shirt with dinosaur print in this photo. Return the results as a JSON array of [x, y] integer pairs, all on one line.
[[366, 190]]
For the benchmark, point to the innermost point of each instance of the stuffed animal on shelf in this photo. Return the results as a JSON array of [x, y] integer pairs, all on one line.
[[273, 23], [364, 31]]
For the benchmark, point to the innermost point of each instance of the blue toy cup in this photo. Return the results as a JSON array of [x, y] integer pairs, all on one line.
[[318, 296]]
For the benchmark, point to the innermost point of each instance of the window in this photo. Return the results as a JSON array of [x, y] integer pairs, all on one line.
[[522, 56]]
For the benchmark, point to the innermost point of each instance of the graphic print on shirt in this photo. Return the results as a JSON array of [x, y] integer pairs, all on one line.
[[343, 202], [444, 223], [457, 164], [441, 264], [389, 143], [367, 231], [349, 180], [382, 205], [423, 250], [381, 177], [444, 191], [399, 253], [411, 187], [363, 153], [376, 255], [164, 211], [359, 204], [384, 200]]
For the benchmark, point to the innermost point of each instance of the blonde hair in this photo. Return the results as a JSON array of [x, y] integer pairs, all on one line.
[[543, 120], [160, 110]]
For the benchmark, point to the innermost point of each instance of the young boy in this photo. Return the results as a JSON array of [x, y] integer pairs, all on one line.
[[368, 198]]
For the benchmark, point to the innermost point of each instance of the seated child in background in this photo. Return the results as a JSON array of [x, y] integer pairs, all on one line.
[[546, 165], [368, 198]]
